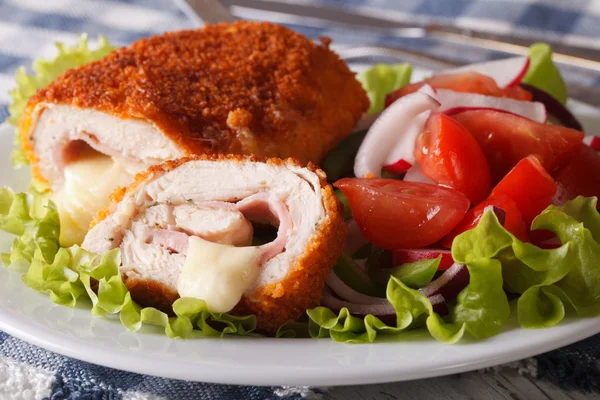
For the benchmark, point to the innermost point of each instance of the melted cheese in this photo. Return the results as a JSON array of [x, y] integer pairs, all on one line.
[[217, 273], [88, 183]]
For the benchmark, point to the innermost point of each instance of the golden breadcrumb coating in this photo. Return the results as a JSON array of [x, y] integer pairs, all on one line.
[[275, 303], [241, 88]]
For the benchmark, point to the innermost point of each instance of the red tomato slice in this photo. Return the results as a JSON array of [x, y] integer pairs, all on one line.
[[404, 256], [581, 176], [517, 93], [529, 186], [466, 82], [449, 155], [395, 214], [513, 221], [507, 138]]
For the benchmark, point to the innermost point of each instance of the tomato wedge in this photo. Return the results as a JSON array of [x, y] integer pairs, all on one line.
[[395, 214], [449, 155], [517, 93], [466, 82], [581, 176], [507, 138], [523, 194], [529, 186], [513, 221], [404, 256]]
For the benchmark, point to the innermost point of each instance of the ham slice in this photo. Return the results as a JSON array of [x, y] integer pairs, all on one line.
[[259, 207]]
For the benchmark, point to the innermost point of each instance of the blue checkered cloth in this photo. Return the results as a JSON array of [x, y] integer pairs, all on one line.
[[28, 29]]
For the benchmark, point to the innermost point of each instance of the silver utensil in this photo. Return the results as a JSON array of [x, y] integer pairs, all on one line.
[[211, 11]]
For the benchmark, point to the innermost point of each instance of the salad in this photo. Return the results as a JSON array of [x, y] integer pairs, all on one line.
[[472, 189]]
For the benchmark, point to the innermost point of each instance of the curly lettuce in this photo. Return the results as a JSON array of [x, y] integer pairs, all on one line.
[[549, 282], [381, 79], [543, 74], [68, 275], [46, 71]]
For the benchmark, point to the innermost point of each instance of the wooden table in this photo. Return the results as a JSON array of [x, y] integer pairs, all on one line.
[[473, 385]]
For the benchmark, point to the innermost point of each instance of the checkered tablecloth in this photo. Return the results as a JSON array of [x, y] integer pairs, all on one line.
[[28, 29]]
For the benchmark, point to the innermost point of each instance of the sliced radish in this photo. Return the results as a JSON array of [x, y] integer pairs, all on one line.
[[416, 175], [507, 72], [554, 107], [454, 102], [428, 90], [593, 142], [404, 256], [403, 150], [388, 132], [450, 283], [399, 167]]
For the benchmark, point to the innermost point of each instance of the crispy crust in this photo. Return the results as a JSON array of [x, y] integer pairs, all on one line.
[[273, 304], [242, 88]]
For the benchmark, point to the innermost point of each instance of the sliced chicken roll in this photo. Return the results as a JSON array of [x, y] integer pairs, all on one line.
[[246, 235], [242, 88]]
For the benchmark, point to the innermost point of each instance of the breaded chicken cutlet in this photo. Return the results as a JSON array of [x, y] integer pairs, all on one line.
[[242, 88], [185, 228]]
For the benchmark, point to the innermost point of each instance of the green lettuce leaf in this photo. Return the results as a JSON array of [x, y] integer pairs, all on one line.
[[381, 79], [549, 282], [581, 285], [355, 277], [67, 275], [46, 71], [543, 74], [417, 274], [34, 221], [481, 309]]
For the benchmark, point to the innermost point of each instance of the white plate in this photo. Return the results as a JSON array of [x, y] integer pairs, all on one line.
[[256, 361]]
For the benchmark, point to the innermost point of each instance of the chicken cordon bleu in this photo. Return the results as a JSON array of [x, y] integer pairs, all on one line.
[[242, 88], [188, 228]]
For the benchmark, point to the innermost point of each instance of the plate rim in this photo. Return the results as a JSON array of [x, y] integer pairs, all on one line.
[[570, 331]]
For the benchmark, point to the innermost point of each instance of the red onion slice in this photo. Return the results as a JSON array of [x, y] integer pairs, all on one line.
[[450, 283], [500, 213], [346, 293], [355, 239], [439, 304], [385, 312]]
